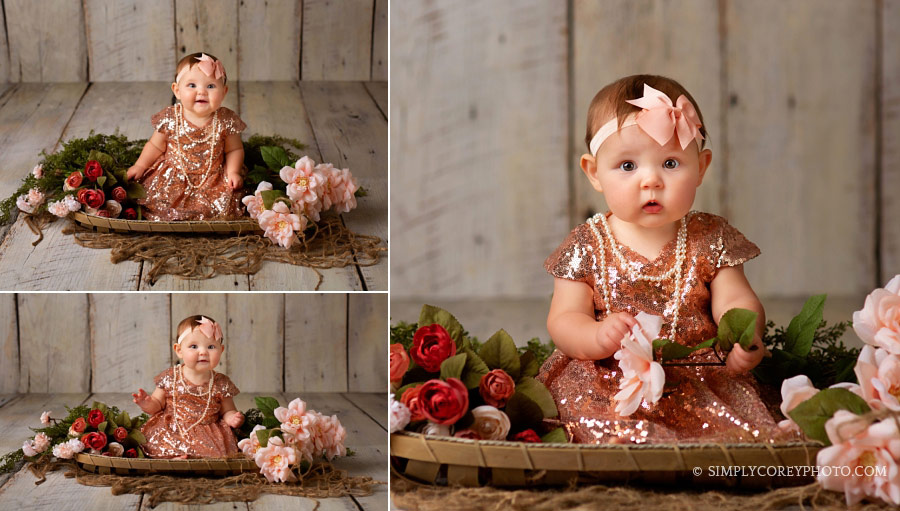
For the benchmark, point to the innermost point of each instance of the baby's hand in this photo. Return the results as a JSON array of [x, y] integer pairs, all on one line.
[[740, 361], [235, 419], [135, 172], [613, 329], [144, 401], [234, 180]]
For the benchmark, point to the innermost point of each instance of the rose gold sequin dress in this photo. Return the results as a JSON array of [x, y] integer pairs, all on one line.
[[699, 403], [182, 184], [210, 438]]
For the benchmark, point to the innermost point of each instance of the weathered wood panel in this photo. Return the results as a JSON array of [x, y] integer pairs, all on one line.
[[367, 334], [9, 345], [130, 40], [372, 404], [808, 162], [351, 132], [130, 340], [600, 55], [315, 328], [269, 40], [337, 40], [379, 92], [25, 412], [479, 134], [255, 341], [54, 341], [4, 50], [890, 148], [209, 27], [380, 41], [46, 41]]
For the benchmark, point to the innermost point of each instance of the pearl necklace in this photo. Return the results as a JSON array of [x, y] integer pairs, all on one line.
[[180, 131], [175, 374], [632, 272]]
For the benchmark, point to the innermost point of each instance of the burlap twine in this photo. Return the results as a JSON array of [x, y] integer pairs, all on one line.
[[322, 480], [202, 256]]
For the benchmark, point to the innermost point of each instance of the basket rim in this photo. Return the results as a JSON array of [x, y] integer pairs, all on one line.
[[90, 458], [82, 216]]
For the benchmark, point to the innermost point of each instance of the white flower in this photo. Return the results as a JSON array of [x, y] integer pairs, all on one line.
[[41, 442], [490, 423], [28, 448], [63, 451], [114, 208], [115, 448], [38, 171], [399, 415], [431, 428], [58, 208], [642, 378], [71, 202], [45, 418]]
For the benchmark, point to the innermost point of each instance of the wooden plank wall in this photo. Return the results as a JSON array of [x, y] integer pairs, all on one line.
[[802, 100], [117, 342], [134, 40]]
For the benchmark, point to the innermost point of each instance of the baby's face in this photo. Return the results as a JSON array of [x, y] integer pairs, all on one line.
[[200, 94], [199, 352], [645, 183]]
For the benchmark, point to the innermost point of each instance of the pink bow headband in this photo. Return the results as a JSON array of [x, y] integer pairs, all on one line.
[[212, 68], [207, 326], [659, 119]]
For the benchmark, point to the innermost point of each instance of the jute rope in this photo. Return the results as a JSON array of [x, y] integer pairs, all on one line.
[[203, 256]]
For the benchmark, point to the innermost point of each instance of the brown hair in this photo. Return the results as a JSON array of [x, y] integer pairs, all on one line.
[[190, 322], [191, 60], [610, 101]]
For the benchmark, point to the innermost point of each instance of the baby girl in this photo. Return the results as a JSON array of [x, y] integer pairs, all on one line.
[[191, 167], [192, 407]]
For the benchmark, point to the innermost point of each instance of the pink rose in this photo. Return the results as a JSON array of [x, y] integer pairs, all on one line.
[[410, 398], [642, 378], [878, 323], [254, 203], [399, 361], [444, 402], [793, 392], [302, 183], [275, 460], [45, 418], [78, 426], [120, 434], [878, 372], [119, 194], [41, 442], [250, 445], [496, 387], [279, 224], [431, 346], [73, 181], [38, 171], [294, 420], [58, 208]]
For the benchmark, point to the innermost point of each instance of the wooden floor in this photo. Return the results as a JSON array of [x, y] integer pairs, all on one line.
[[344, 123], [363, 415]]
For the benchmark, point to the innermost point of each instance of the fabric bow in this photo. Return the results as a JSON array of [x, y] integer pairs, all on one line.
[[660, 119], [210, 66], [210, 328]]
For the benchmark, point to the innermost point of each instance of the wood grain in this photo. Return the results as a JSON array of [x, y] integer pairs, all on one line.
[[372, 404], [367, 335], [130, 341], [380, 41], [9, 345], [809, 162], [269, 40], [256, 341], [19, 416], [379, 92], [479, 139], [890, 149], [351, 132], [337, 40], [130, 40], [55, 353], [4, 50], [315, 342], [208, 27], [46, 41]]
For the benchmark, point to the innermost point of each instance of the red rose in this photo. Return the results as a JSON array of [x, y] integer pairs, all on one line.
[[79, 425], [399, 362], [104, 213], [95, 440], [130, 214], [74, 180], [106, 453], [444, 402], [82, 195], [496, 387], [410, 398], [95, 417], [527, 436], [92, 170], [131, 453], [431, 346], [120, 433], [467, 433], [94, 198], [118, 193]]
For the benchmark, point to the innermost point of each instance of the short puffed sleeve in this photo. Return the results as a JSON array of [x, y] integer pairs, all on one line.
[[165, 379], [230, 122], [226, 387], [164, 120], [729, 246], [575, 258]]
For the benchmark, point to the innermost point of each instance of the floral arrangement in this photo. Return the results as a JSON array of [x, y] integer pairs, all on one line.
[[858, 422], [285, 441], [449, 385], [98, 429], [304, 190]]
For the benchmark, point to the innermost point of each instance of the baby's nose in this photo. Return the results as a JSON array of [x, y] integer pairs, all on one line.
[[651, 179]]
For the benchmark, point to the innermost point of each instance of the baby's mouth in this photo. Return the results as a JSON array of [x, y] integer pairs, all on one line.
[[201, 101], [652, 206]]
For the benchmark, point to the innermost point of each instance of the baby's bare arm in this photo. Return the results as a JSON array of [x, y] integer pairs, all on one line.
[[234, 160], [152, 403], [730, 289], [230, 414], [572, 325], [152, 150]]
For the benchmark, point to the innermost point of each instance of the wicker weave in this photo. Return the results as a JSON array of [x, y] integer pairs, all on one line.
[[131, 466], [103, 224]]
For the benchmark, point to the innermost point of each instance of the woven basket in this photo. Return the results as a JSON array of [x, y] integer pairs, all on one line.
[[468, 462], [103, 224], [139, 466]]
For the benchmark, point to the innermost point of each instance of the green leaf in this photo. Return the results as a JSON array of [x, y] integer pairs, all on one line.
[[431, 315], [672, 350], [275, 157], [106, 161], [401, 390], [523, 411], [361, 192], [802, 329], [135, 190], [529, 364], [737, 326], [812, 414], [452, 367], [126, 420], [102, 426], [111, 425], [266, 405], [475, 369], [101, 180], [537, 393], [263, 435], [100, 406], [140, 452], [557, 436], [271, 422], [499, 352], [270, 196], [137, 436]]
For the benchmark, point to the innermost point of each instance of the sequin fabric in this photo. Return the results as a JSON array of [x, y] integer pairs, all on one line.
[[211, 438], [181, 184], [699, 403]]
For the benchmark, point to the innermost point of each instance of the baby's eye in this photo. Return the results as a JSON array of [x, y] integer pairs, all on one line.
[[671, 163], [193, 346], [211, 347], [211, 86], [628, 166]]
